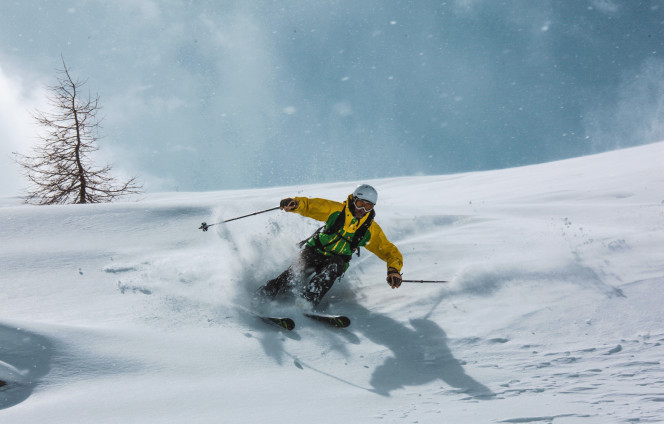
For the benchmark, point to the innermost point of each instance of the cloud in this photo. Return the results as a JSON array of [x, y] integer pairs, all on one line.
[[136, 101], [605, 6], [17, 128], [637, 116], [466, 6], [212, 95]]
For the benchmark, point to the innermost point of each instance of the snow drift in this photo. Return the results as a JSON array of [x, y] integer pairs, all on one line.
[[127, 313]]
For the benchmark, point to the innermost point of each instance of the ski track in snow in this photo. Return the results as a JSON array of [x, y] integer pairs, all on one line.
[[553, 315]]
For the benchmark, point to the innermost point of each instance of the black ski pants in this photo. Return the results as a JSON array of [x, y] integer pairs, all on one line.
[[325, 270]]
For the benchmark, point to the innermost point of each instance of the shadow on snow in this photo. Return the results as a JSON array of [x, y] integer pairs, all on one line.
[[24, 359], [421, 355], [420, 352]]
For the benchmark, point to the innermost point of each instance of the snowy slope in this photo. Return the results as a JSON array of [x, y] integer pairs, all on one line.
[[128, 313]]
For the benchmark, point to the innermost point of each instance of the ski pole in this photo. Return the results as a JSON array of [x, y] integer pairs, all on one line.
[[424, 281], [205, 226]]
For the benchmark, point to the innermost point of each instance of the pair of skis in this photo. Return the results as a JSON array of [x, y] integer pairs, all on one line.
[[339, 321]]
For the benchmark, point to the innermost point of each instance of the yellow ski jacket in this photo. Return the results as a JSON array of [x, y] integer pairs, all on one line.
[[339, 243]]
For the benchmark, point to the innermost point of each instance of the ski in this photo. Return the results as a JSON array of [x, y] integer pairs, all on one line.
[[283, 322], [340, 321]]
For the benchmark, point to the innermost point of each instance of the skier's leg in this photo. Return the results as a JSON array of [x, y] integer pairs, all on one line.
[[329, 270], [277, 285], [289, 277]]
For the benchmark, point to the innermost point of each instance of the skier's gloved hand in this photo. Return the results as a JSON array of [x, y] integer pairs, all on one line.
[[393, 278], [288, 204]]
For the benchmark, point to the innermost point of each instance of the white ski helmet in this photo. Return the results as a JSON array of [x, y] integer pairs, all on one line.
[[366, 192]]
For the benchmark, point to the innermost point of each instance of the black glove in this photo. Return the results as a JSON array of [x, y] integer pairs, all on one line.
[[288, 204], [393, 278]]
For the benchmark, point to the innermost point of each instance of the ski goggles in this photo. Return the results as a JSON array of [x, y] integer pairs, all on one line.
[[363, 205]]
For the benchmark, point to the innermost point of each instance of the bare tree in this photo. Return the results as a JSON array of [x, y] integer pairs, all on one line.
[[60, 169]]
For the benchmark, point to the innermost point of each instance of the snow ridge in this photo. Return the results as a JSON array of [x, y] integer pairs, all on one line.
[[128, 313]]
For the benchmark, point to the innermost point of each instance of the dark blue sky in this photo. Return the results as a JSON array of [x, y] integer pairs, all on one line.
[[207, 95]]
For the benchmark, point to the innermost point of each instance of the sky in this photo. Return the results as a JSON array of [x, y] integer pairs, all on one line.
[[210, 95]]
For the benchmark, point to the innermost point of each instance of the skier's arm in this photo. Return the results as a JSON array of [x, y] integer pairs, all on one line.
[[380, 246], [318, 209]]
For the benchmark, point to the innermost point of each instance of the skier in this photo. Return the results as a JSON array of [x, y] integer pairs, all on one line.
[[327, 253]]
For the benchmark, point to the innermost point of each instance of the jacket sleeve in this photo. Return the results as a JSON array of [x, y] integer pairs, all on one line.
[[318, 209], [380, 246]]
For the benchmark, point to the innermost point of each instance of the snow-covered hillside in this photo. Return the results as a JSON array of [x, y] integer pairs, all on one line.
[[127, 313]]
